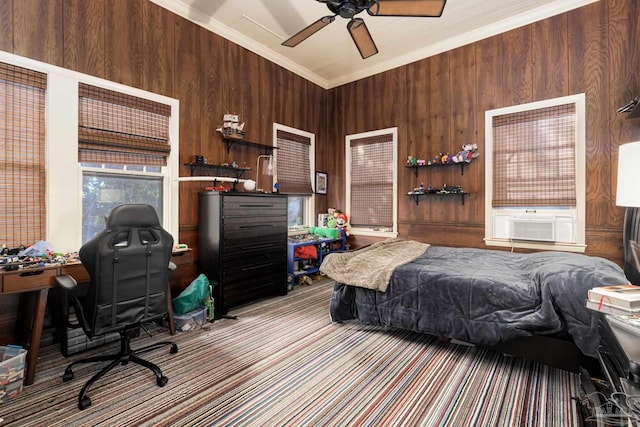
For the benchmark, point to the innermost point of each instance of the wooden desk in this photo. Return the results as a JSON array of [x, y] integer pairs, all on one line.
[[40, 279], [37, 280]]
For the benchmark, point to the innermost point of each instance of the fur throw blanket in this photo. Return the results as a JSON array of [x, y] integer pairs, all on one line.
[[371, 267]]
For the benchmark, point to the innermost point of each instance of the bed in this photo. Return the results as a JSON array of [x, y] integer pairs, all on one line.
[[478, 296]]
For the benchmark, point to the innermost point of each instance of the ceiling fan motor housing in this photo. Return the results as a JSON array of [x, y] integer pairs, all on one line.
[[347, 8]]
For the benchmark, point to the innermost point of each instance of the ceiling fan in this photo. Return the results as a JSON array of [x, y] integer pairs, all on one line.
[[348, 9]]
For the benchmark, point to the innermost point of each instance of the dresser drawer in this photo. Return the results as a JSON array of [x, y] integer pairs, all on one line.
[[254, 228], [24, 280], [243, 247], [265, 285], [242, 270], [251, 206]]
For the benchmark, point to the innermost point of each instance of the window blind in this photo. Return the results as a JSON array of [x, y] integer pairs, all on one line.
[[534, 156], [294, 165], [372, 181], [22, 156], [117, 128]]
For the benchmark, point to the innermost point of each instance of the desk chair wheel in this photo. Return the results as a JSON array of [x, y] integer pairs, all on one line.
[[68, 375], [174, 349], [162, 381], [84, 403]]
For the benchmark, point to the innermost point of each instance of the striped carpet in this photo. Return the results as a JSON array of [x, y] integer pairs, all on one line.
[[283, 363]]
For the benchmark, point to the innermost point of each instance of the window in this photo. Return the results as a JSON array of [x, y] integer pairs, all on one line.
[[123, 143], [371, 159], [86, 172], [295, 161], [535, 175], [22, 155]]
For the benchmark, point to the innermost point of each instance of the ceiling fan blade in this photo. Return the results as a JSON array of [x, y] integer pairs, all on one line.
[[362, 38], [308, 31], [432, 8]]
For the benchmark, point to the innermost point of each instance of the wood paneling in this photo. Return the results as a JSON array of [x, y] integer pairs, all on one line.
[[550, 75], [123, 41], [624, 81], [517, 67], [84, 39], [6, 25], [437, 103], [590, 50], [158, 47], [37, 30], [588, 68], [188, 89]]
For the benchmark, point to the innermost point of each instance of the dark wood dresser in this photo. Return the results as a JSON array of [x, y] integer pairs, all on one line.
[[242, 246]]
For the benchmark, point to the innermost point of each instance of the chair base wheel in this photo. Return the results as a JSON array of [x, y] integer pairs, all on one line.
[[174, 349], [84, 403], [68, 375], [162, 381]]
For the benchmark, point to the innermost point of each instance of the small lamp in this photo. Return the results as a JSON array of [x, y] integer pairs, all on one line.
[[628, 195], [267, 168]]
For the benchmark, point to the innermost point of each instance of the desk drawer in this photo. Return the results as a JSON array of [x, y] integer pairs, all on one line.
[[30, 279]]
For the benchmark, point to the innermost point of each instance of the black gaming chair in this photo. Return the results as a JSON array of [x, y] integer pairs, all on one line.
[[128, 265]]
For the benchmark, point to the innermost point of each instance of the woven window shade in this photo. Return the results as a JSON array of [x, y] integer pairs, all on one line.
[[372, 181], [22, 156], [294, 168], [116, 128], [534, 157]]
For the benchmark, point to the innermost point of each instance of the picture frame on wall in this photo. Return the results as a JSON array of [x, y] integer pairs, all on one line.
[[321, 183]]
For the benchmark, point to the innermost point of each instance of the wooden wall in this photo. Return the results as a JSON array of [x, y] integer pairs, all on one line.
[[438, 104], [140, 44]]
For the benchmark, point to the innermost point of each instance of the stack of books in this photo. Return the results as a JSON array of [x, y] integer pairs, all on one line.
[[622, 300]]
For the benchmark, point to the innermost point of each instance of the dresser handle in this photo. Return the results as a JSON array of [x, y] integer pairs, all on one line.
[[257, 226], [255, 206], [257, 266], [264, 245]]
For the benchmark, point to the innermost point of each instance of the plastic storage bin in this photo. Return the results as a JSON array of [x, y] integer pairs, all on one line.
[[11, 371], [191, 320]]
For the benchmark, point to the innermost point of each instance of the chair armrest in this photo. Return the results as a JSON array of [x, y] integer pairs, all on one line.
[[68, 285], [66, 282]]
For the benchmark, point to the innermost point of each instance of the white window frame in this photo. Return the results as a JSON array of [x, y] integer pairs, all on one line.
[[309, 206], [365, 231], [63, 171], [579, 212]]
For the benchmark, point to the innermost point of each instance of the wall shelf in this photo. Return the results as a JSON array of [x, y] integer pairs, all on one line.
[[631, 109], [268, 149], [436, 165], [635, 113], [417, 196], [202, 168]]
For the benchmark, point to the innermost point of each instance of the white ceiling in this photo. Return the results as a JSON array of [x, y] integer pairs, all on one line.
[[329, 58]]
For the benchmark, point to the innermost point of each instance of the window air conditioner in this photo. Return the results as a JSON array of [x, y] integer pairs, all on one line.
[[541, 228]]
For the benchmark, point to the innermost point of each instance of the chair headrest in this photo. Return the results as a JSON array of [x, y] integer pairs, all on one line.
[[133, 215]]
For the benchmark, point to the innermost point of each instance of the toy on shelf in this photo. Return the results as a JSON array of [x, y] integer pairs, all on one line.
[[231, 127], [468, 153]]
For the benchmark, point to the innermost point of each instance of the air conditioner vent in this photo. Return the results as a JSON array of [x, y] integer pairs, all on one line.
[[541, 230]]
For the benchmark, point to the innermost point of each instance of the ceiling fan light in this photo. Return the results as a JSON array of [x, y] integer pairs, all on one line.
[[308, 31], [362, 38], [421, 8]]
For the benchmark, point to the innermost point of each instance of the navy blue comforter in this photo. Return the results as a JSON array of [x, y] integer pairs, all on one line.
[[485, 296]]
